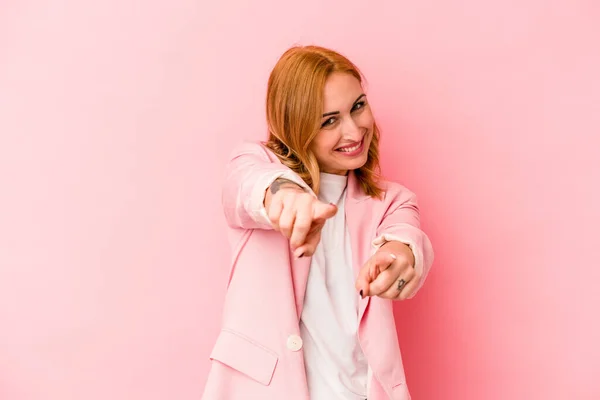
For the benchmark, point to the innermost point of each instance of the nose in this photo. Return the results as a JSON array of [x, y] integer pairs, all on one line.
[[351, 130]]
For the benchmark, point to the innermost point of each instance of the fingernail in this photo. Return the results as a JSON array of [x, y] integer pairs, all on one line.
[[361, 294], [393, 256], [301, 255], [331, 204]]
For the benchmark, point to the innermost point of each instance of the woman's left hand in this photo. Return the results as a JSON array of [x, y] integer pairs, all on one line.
[[389, 273]]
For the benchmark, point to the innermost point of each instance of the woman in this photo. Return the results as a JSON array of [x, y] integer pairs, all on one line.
[[321, 247]]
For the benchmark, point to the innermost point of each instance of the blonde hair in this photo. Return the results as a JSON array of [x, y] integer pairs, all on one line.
[[294, 108]]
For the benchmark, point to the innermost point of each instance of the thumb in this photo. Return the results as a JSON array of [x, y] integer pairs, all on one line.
[[323, 211]]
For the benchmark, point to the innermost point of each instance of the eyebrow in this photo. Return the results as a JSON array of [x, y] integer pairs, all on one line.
[[327, 114]]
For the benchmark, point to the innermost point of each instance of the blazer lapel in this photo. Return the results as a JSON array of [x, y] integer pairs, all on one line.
[[300, 269], [358, 218]]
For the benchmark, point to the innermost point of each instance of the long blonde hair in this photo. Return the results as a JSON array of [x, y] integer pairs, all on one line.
[[294, 109]]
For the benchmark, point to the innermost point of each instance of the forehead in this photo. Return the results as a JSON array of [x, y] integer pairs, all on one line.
[[341, 89]]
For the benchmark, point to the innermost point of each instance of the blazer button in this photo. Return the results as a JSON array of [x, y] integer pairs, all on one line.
[[294, 342]]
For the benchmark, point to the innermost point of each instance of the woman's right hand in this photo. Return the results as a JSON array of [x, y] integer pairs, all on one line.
[[298, 215]]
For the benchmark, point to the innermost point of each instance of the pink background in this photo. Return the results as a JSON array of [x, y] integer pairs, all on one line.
[[115, 121]]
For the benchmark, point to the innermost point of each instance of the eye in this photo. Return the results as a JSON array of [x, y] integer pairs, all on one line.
[[358, 105], [328, 122]]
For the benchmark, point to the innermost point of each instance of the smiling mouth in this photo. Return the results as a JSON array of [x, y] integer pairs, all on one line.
[[352, 148]]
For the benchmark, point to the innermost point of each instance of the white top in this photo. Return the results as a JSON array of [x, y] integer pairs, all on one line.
[[336, 367]]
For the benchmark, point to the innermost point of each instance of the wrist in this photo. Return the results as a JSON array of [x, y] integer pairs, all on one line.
[[397, 248], [278, 185], [284, 183]]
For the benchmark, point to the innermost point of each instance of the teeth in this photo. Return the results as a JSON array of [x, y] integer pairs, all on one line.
[[350, 149]]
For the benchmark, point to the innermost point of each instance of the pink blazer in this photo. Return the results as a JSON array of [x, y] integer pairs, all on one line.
[[258, 353]]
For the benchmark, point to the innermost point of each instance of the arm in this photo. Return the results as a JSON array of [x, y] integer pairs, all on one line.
[[248, 175], [401, 223]]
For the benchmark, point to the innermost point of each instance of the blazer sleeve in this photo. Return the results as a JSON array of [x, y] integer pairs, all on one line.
[[248, 174], [401, 222]]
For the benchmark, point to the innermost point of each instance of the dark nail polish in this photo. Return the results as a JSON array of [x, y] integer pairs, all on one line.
[[301, 255], [361, 294]]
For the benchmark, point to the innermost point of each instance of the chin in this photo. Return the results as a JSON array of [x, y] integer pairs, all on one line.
[[358, 165], [354, 164]]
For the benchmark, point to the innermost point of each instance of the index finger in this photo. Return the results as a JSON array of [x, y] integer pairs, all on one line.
[[364, 279], [322, 211], [378, 263], [301, 226]]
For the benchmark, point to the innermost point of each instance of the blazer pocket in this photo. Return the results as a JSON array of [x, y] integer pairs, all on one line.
[[245, 355]]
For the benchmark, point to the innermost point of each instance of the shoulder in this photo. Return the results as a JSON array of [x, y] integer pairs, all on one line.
[[394, 192], [253, 148]]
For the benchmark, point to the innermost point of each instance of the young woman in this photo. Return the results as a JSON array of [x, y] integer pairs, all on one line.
[[321, 247]]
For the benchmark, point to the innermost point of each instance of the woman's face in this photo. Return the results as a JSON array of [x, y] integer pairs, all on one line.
[[342, 143]]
